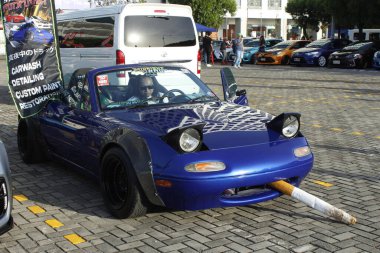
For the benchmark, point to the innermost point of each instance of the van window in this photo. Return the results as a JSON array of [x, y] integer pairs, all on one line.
[[159, 31], [86, 33]]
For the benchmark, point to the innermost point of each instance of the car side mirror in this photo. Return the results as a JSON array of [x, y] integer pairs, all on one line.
[[230, 88]]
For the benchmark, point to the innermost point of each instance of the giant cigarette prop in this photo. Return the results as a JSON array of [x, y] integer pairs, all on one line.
[[313, 202]]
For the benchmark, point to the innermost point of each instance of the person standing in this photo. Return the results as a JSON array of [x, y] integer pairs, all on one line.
[[223, 49], [239, 51], [207, 47], [262, 44]]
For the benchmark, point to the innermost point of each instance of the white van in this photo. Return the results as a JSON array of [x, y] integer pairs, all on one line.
[[369, 34], [128, 34]]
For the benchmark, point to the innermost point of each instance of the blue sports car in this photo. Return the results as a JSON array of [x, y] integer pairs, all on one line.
[[28, 33], [159, 136], [376, 60], [317, 52]]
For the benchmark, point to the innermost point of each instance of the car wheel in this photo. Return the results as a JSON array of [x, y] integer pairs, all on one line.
[[364, 64], [285, 60], [322, 61], [121, 191], [28, 149]]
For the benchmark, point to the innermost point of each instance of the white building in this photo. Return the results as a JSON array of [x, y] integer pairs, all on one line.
[[256, 17]]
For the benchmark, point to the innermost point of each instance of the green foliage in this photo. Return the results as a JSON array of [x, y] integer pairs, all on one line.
[[308, 13], [209, 12]]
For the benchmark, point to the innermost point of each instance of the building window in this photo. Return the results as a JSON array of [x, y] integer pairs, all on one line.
[[274, 4], [256, 4]]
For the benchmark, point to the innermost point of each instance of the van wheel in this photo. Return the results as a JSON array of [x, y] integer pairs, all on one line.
[[121, 190], [322, 61], [28, 148]]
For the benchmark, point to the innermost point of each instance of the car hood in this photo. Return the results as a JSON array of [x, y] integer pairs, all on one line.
[[345, 53], [225, 125], [307, 50]]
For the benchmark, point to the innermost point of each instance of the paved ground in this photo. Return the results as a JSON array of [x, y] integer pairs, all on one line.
[[340, 117]]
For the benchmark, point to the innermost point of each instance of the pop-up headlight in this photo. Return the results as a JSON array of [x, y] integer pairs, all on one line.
[[185, 140], [288, 124]]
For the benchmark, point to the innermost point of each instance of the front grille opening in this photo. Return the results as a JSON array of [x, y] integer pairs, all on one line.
[[3, 197], [252, 190]]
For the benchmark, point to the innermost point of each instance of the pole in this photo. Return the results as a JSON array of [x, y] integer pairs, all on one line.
[[313, 202]]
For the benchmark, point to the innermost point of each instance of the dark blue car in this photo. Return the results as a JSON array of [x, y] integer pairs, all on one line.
[[28, 33], [160, 136], [317, 52]]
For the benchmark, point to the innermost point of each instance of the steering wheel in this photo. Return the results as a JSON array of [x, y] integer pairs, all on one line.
[[170, 94]]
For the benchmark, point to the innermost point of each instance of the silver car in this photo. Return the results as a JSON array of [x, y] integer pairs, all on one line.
[[6, 220]]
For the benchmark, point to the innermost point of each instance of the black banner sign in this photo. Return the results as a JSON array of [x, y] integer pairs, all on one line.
[[32, 54]]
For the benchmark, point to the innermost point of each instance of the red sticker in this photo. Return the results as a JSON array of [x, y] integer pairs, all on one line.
[[102, 80]]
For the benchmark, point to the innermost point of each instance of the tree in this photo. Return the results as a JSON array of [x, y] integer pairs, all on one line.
[[209, 12], [307, 13], [355, 13]]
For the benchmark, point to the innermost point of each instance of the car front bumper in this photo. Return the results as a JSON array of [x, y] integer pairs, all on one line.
[[248, 172], [304, 60]]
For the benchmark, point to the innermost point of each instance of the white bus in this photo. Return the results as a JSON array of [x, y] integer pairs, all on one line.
[[128, 34], [369, 34]]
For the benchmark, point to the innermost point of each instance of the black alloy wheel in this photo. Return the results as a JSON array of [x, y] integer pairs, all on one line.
[[121, 190]]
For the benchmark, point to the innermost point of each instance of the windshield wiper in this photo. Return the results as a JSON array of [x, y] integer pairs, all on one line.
[[204, 98]]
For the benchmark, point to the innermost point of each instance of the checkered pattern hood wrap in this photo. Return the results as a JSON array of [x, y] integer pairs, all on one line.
[[216, 117]]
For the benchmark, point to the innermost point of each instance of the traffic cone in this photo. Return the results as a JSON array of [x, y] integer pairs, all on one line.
[[313, 202]]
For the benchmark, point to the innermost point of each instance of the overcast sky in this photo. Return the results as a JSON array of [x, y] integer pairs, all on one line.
[[72, 4]]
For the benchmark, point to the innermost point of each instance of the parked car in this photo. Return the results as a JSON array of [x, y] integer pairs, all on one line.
[[218, 56], [251, 48], [182, 147], [40, 23], [281, 52], [376, 60], [356, 55], [6, 220], [15, 18], [28, 33], [317, 52]]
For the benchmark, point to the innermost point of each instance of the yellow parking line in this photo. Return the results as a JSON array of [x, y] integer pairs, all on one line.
[[322, 183], [36, 209], [336, 129], [316, 125], [378, 137], [74, 238], [20, 198], [54, 223], [357, 133]]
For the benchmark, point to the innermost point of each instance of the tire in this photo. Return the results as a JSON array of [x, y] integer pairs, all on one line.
[[121, 190], [285, 60], [322, 61], [28, 147]]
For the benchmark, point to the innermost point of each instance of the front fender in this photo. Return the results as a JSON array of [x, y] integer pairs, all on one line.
[[138, 152]]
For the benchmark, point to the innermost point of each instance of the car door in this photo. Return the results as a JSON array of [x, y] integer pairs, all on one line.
[[68, 128]]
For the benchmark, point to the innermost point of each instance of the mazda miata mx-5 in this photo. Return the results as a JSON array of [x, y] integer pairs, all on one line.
[[158, 136]]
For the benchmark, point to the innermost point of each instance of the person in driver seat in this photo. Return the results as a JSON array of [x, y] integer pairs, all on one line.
[[145, 92]]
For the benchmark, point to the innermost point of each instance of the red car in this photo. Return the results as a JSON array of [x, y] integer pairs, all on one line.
[[15, 18]]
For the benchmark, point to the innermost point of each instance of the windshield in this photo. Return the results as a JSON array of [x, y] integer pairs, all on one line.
[[357, 46], [150, 86], [159, 31], [282, 45], [318, 43], [253, 43]]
